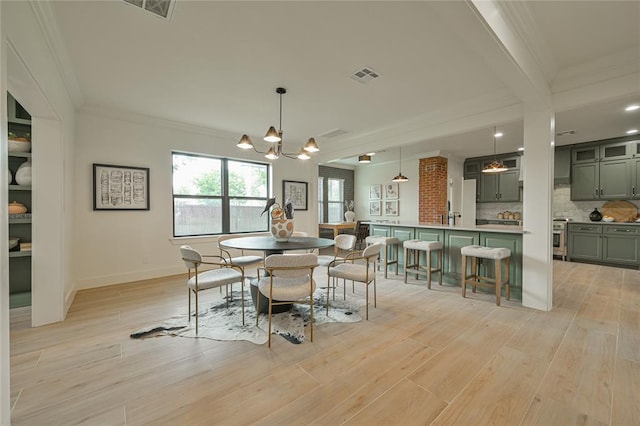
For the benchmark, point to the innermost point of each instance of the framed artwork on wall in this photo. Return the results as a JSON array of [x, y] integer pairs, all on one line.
[[375, 192], [120, 187], [391, 191], [374, 208], [391, 208], [296, 192]]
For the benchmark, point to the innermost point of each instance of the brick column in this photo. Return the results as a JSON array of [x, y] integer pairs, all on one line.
[[432, 189]]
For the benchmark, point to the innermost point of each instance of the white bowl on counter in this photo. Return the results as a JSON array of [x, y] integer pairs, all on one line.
[[607, 219]]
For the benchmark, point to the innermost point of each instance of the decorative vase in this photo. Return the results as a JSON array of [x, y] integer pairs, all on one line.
[[23, 174], [349, 216], [281, 229], [595, 216]]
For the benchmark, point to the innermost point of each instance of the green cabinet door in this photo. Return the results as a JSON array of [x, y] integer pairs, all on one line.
[[585, 242], [635, 177], [488, 188], [380, 230], [514, 243], [620, 245], [430, 235], [509, 186], [403, 234], [615, 180], [585, 179], [562, 165], [454, 241]]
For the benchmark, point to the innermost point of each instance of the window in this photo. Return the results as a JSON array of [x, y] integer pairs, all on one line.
[[320, 199], [335, 199], [216, 195]]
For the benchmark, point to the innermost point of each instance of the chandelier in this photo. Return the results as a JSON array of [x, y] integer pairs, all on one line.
[[274, 137], [495, 166]]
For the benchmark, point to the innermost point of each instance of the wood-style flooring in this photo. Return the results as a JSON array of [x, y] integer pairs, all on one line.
[[424, 357]]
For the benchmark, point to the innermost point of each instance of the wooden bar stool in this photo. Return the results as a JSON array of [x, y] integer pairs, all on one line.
[[476, 252], [389, 243], [412, 249]]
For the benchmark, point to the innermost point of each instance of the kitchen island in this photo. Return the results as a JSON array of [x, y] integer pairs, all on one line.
[[455, 237]]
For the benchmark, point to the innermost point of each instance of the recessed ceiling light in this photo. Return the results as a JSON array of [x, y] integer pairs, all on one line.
[[370, 154], [632, 131], [521, 148], [632, 107], [498, 135]]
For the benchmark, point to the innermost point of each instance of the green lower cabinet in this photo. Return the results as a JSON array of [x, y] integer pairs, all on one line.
[[611, 244], [453, 242], [513, 243], [620, 245], [380, 231], [403, 234]]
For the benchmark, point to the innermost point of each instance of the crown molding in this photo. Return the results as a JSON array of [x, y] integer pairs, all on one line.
[[45, 17]]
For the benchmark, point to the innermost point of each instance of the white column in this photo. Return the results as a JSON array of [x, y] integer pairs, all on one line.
[[537, 271]]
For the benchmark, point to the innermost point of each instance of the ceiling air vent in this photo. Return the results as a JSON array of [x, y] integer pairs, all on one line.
[[333, 133], [161, 8], [566, 132], [365, 75]]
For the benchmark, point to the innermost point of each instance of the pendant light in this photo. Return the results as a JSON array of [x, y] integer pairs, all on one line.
[[495, 166], [274, 137], [400, 177]]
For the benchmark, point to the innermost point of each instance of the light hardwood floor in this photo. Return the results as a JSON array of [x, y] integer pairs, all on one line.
[[424, 357]]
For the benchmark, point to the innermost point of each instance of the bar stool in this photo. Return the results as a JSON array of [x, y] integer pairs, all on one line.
[[412, 248], [388, 243], [476, 252]]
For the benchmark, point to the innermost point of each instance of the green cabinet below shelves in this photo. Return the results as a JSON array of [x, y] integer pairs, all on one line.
[[605, 243]]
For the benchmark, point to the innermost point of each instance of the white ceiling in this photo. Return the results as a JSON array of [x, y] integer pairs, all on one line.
[[217, 65]]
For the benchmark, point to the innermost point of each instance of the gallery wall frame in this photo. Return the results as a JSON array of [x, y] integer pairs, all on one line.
[[297, 192], [391, 191], [120, 187], [375, 192], [391, 207], [375, 208]]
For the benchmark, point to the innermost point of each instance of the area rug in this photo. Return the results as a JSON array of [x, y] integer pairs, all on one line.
[[218, 322]]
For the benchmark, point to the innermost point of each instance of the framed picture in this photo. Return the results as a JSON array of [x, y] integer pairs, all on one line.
[[375, 192], [120, 187], [296, 192], [374, 208], [391, 208], [391, 191]]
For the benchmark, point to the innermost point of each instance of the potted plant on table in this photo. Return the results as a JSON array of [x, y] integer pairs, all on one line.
[[281, 219], [349, 215]]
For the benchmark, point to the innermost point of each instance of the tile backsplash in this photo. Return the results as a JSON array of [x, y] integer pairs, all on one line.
[[562, 206], [575, 210]]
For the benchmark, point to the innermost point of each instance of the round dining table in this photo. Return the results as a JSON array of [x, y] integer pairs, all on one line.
[[270, 246]]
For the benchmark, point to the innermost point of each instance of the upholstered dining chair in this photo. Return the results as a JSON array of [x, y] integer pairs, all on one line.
[[244, 261], [289, 279], [222, 274], [356, 268], [344, 245]]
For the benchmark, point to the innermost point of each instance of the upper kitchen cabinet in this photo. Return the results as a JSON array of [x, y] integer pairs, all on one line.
[[562, 165], [603, 171], [500, 187]]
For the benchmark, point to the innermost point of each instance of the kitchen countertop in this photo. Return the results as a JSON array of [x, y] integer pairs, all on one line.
[[505, 229]]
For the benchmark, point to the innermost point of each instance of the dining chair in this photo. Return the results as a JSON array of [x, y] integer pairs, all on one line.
[[243, 260], [344, 245], [288, 279], [361, 232], [222, 274], [358, 269]]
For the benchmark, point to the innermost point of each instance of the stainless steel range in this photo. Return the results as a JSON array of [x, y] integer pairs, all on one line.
[[560, 228]]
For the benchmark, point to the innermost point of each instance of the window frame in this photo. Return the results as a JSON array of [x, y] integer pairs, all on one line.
[[224, 197]]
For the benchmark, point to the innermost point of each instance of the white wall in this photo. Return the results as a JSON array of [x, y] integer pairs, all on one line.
[[122, 246], [372, 173]]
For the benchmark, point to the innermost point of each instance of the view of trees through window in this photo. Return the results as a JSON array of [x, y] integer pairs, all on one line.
[[216, 195], [335, 199]]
